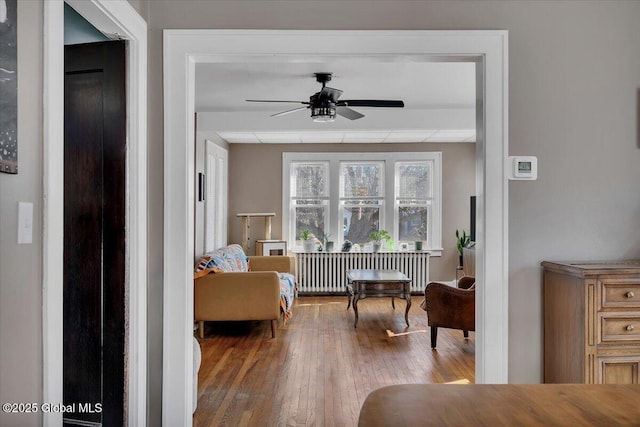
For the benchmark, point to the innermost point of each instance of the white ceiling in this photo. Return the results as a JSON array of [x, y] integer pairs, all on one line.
[[439, 100]]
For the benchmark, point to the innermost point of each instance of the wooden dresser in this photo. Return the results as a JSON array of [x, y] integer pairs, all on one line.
[[592, 322]]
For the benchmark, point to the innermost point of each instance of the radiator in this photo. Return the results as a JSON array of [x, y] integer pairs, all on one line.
[[326, 272]]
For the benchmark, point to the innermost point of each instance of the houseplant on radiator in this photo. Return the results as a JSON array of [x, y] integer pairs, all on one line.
[[421, 232], [328, 244], [308, 240], [377, 236]]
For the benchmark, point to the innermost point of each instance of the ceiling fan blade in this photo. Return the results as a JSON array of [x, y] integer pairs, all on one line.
[[270, 100], [282, 113], [330, 93], [370, 103], [348, 113]]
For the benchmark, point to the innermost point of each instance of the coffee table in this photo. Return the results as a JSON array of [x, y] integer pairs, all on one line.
[[378, 283]]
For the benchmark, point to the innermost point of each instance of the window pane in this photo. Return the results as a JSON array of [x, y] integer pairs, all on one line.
[[309, 179], [311, 218], [361, 179], [359, 222], [412, 224], [414, 180]]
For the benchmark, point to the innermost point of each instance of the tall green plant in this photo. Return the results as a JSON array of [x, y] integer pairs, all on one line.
[[463, 241]]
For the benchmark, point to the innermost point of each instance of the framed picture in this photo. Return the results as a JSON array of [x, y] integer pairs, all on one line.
[[8, 87]]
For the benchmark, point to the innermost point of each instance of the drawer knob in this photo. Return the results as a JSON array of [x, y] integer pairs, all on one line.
[[630, 328], [630, 294]]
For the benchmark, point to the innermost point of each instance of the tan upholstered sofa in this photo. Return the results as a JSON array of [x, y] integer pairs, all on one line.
[[249, 295]]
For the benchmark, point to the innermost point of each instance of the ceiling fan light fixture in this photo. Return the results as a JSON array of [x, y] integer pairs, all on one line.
[[324, 105], [323, 114]]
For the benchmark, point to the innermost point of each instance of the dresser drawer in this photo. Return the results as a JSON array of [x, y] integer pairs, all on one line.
[[617, 370], [619, 293], [619, 328]]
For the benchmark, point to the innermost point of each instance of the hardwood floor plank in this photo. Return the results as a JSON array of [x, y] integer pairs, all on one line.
[[319, 369]]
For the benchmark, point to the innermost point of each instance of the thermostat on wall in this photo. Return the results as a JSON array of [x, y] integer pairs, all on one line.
[[523, 167]]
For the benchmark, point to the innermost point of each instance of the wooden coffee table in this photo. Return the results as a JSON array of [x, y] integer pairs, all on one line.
[[378, 283]]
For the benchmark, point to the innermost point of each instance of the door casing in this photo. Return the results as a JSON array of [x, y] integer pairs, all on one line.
[[183, 49], [110, 17]]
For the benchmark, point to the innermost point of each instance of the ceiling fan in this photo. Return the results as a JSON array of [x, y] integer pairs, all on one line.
[[324, 105]]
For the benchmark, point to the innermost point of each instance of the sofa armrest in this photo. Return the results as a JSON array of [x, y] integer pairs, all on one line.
[[281, 264], [252, 295]]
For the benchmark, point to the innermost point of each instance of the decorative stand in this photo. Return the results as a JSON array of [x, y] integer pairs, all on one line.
[[246, 226]]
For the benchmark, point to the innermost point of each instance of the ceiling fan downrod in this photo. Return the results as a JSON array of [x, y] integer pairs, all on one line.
[[323, 78]]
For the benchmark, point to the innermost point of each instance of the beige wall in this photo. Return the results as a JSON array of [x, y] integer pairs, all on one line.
[[20, 265], [255, 185], [573, 102]]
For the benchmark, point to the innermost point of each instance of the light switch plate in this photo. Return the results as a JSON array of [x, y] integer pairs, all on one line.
[[25, 223]]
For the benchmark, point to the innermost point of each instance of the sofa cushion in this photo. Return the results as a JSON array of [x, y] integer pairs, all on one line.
[[235, 259], [226, 259]]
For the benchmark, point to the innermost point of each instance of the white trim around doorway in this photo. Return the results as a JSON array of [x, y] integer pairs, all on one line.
[[117, 18], [183, 49]]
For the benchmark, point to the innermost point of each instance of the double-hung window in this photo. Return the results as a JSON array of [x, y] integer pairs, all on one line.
[[413, 200], [309, 197], [361, 199], [346, 196]]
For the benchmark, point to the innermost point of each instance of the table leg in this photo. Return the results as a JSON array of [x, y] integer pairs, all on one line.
[[393, 302], [407, 298], [355, 310]]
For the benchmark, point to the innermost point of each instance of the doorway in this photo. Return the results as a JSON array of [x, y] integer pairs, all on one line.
[[110, 18], [183, 49]]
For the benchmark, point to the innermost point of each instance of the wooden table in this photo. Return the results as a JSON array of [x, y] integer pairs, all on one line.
[[502, 405], [378, 283]]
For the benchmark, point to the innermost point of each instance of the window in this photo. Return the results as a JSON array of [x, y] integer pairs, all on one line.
[[361, 199], [413, 200], [348, 195], [309, 197]]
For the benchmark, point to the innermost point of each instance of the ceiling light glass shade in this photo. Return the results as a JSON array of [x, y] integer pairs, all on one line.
[[323, 114]]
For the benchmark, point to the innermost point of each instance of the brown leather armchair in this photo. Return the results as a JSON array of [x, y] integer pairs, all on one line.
[[449, 307]]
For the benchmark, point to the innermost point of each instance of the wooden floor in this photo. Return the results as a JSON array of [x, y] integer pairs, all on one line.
[[319, 368]]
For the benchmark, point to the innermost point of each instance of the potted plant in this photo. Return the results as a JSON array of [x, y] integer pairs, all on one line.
[[421, 232], [377, 236], [463, 241], [328, 244], [308, 240]]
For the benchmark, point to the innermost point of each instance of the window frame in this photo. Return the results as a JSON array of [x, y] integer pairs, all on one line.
[[389, 209], [323, 199]]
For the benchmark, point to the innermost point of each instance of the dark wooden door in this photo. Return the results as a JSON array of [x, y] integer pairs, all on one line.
[[94, 233]]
